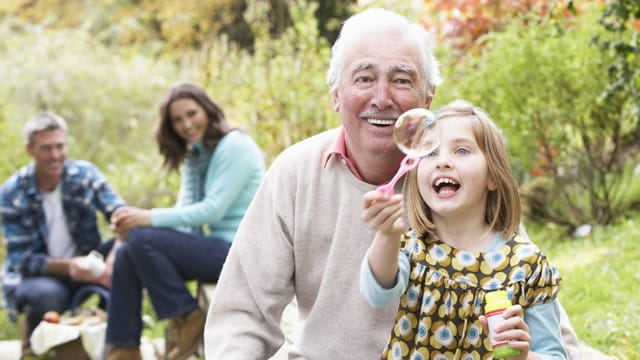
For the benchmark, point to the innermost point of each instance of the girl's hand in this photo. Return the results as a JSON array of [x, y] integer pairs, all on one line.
[[514, 330], [383, 213]]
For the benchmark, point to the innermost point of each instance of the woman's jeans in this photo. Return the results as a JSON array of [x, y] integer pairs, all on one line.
[[159, 260]]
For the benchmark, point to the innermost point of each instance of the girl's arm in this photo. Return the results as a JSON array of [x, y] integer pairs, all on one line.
[[546, 335], [374, 293], [384, 214]]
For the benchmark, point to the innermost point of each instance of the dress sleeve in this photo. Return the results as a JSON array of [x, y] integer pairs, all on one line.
[[539, 281]]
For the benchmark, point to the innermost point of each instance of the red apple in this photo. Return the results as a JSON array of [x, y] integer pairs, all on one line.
[[51, 317]]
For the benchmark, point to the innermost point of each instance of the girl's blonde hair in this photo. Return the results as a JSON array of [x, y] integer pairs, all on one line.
[[503, 211]]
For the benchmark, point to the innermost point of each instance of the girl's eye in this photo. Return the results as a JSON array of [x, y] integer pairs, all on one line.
[[432, 154], [462, 151]]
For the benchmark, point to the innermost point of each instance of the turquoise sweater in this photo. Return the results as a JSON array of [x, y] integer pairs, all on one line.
[[230, 178]]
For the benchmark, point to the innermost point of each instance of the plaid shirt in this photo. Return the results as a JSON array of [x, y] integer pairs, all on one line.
[[84, 191]]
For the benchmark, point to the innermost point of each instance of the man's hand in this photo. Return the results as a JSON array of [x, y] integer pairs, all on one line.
[[80, 271]]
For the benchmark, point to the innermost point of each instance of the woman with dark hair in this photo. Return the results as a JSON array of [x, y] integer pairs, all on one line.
[[162, 248]]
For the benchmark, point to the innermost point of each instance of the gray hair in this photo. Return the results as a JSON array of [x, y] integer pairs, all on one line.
[[360, 24], [44, 121]]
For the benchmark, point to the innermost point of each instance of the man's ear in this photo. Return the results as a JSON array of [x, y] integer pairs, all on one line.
[[28, 149], [427, 102], [335, 97], [429, 99]]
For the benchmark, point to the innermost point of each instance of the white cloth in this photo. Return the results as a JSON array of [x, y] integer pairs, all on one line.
[[48, 335]]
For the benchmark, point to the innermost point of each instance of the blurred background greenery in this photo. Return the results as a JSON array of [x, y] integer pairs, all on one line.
[[561, 78]]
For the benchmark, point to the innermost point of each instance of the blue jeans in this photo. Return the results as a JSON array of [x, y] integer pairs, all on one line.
[[159, 260], [39, 294]]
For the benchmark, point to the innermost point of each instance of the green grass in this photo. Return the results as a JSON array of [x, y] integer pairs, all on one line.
[[600, 276]]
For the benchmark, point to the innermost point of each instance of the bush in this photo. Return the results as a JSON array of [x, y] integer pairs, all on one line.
[[108, 99], [277, 91], [541, 84]]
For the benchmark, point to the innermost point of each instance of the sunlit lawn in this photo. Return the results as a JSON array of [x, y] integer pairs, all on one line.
[[601, 274]]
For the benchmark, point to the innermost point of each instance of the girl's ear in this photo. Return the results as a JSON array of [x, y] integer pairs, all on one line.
[[492, 184]]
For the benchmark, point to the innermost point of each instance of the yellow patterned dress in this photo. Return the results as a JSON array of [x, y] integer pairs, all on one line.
[[438, 317]]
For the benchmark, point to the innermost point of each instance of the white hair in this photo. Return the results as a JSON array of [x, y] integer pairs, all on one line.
[[363, 23], [44, 121]]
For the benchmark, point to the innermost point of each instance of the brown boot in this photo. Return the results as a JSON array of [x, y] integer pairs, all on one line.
[[188, 335], [171, 335], [124, 353], [25, 352]]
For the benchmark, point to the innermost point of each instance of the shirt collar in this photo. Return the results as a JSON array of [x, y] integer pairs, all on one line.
[[339, 149]]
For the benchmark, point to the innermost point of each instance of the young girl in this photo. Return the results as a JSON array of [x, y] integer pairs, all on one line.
[[464, 211]]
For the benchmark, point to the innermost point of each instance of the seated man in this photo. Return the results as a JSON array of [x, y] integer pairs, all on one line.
[[48, 212]]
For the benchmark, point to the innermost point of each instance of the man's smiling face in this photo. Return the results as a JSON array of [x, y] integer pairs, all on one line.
[[48, 149]]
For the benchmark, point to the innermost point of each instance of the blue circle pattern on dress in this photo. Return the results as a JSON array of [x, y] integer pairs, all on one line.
[[518, 274], [413, 298], [397, 351], [443, 335], [422, 330]]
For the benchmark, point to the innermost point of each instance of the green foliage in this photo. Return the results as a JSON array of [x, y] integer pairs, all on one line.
[[107, 98], [168, 26], [8, 329], [540, 83], [278, 91], [621, 18], [600, 274]]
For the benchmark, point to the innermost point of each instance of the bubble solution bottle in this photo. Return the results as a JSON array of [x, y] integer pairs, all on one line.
[[495, 304]]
